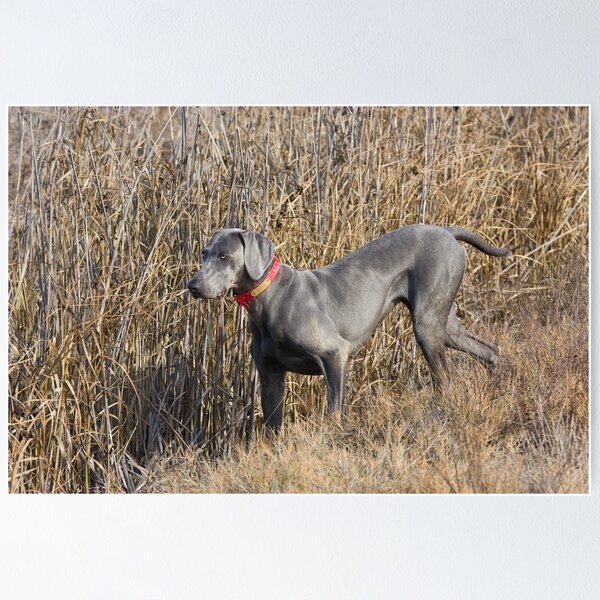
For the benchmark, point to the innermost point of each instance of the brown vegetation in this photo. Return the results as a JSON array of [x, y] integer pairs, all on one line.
[[118, 381]]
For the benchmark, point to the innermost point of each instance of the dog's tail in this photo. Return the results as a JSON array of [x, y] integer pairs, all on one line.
[[464, 235]]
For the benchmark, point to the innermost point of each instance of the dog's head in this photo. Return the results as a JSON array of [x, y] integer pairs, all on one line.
[[232, 259]]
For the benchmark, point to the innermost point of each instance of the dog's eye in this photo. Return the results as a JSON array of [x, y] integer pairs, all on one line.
[[222, 256]]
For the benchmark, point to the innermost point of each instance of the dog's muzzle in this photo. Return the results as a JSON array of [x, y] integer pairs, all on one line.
[[198, 292], [194, 289]]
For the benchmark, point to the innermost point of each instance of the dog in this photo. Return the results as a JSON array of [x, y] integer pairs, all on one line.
[[312, 322]]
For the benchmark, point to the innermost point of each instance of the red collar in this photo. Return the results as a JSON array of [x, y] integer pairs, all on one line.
[[244, 299]]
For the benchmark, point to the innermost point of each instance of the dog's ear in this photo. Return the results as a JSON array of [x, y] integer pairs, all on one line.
[[258, 253]]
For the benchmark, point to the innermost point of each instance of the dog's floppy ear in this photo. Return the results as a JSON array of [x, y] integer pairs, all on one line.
[[258, 253]]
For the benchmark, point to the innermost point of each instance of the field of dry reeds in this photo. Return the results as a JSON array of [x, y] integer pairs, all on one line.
[[120, 382]]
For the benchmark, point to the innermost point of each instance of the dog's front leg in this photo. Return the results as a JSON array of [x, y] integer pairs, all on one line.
[[272, 383], [334, 369], [272, 389]]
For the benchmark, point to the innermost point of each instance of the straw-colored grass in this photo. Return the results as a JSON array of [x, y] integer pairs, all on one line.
[[120, 382]]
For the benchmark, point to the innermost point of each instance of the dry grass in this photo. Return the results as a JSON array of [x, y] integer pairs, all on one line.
[[523, 430], [118, 382]]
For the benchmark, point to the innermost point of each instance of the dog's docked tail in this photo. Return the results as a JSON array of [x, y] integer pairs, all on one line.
[[464, 235]]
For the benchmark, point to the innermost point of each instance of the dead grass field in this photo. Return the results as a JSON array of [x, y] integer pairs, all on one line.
[[119, 382]]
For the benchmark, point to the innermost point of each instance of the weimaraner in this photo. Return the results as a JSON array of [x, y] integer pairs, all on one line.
[[312, 322]]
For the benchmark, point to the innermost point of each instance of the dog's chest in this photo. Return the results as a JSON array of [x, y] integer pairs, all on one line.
[[289, 354]]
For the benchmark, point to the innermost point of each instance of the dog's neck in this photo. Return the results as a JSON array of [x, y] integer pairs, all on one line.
[[244, 298]]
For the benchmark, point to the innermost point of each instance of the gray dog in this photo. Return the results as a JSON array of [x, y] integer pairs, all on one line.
[[312, 322]]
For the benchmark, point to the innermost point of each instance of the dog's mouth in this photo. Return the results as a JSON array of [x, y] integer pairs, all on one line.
[[218, 296]]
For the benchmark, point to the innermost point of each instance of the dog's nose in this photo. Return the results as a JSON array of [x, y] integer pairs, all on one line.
[[193, 287]]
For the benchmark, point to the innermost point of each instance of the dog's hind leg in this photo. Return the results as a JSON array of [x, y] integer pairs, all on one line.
[[459, 338], [429, 331]]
